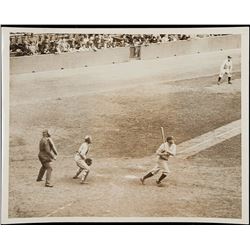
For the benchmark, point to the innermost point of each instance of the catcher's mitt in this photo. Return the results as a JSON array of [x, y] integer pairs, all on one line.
[[88, 161]]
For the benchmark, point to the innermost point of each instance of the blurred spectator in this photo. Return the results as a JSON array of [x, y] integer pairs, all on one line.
[[173, 38], [33, 48], [164, 39], [92, 45], [13, 44], [45, 49]]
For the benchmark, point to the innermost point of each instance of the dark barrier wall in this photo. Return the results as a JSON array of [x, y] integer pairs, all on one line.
[[190, 47], [28, 64]]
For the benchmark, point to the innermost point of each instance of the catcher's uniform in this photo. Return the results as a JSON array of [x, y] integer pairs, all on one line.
[[81, 156], [162, 164], [226, 68], [80, 159]]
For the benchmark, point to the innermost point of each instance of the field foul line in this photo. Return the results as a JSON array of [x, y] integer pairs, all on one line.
[[206, 141], [210, 139], [58, 209]]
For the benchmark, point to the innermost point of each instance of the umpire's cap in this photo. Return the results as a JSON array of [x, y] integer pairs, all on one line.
[[46, 131]]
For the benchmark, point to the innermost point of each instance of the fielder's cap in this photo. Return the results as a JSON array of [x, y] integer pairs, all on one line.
[[170, 138], [46, 131], [229, 57]]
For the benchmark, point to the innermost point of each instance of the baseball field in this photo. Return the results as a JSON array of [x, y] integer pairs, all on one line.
[[122, 106]]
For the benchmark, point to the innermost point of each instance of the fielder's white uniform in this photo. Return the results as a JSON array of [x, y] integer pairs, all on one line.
[[80, 157], [226, 68], [161, 163]]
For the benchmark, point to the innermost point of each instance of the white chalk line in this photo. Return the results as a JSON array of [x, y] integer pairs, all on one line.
[[206, 141], [60, 208]]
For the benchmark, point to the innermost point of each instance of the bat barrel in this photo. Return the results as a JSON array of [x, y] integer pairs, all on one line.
[[163, 135]]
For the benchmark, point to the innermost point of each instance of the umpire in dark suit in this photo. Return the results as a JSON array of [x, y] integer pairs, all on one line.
[[46, 147]]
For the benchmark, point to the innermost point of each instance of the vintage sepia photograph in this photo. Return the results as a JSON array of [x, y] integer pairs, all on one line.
[[125, 124]]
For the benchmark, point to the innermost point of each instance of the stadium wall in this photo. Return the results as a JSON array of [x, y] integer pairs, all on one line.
[[28, 64], [190, 47]]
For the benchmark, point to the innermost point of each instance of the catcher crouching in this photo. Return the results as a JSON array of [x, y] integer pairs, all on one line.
[[82, 161]]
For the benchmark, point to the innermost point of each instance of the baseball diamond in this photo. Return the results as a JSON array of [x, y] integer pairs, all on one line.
[[171, 123]]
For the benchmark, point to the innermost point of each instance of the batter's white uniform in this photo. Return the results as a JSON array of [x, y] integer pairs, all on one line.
[[226, 68], [161, 163], [81, 155]]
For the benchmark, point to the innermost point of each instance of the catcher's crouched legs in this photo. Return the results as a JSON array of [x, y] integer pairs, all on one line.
[[84, 175], [83, 167], [77, 173]]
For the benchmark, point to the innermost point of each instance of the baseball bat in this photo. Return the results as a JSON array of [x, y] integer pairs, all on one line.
[[163, 135], [164, 140]]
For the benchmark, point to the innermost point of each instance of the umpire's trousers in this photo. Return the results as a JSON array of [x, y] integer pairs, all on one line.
[[46, 167]]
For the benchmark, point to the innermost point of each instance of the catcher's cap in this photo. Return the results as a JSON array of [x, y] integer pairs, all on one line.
[[88, 138], [170, 138], [46, 131]]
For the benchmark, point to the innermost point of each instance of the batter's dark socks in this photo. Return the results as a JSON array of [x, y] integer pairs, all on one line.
[[229, 79], [219, 79], [147, 175], [162, 177]]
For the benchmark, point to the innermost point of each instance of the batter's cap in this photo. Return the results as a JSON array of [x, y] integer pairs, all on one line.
[[170, 138]]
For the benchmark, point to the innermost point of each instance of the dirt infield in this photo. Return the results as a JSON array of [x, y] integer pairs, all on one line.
[[125, 125]]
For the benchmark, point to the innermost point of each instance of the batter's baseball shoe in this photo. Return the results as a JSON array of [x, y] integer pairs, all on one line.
[[158, 182], [83, 182], [39, 180], [75, 177], [229, 83]]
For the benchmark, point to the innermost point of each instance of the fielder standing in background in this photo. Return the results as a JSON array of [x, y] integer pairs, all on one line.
[[46, 147], [82, 161], [226, 68], [165, 151]]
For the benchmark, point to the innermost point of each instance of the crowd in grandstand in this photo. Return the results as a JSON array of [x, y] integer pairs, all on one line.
[[35, 44]]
